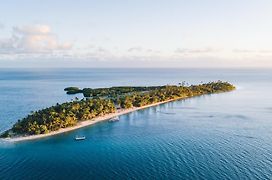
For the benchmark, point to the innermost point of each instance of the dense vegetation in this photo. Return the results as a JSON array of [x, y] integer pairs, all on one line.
[[109, 92], [105, 100], [72, 90]]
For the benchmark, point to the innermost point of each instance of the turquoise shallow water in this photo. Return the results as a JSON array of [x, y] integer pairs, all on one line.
[[220, 136]]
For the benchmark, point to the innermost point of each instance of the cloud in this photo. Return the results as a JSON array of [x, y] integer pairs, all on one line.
[[2, 26], [37, 39], [195, 51], [102, 50], [138, 50], [243, 51], [251, 51], [135, 49], [33, 30]]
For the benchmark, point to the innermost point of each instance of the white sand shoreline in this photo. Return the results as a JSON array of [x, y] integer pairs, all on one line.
[[85, 123]]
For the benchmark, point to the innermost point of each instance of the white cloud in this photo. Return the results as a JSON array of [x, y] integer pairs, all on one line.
[[251, 51], [102, 50], [133, 49], [33, 30], [196, 50], [141, 52], [37, 39]]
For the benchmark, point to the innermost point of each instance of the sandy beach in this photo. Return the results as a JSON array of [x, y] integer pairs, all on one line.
[[85, 123]]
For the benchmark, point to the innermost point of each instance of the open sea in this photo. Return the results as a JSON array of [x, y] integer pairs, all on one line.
[[219, 136]]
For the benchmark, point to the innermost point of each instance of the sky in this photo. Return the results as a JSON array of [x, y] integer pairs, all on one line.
[[136, 33]]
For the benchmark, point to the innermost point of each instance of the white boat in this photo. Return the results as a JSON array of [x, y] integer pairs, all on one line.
[[77, 138], [116, 118]]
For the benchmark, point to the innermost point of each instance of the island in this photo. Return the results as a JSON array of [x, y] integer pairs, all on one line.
[[101, 104]]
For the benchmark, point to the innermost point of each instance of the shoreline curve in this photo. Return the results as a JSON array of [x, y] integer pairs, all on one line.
[[87, 122]]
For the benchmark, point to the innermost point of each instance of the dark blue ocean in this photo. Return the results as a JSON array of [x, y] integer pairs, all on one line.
[[219, 136]]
